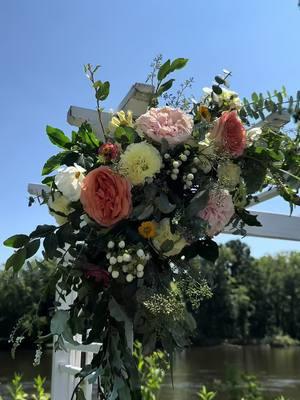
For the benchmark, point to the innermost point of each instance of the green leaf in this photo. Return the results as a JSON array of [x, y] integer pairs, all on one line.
[[163, 204], [42, 231], [164, 70], [254, 97], [248, 218], [59, 322], [102, 90], [164, 87], [32, 248], [219, 80], [178, 64], [57, 137], [166, 246], [48, 180], [52, 163], [50, 245], [16, 241], [16, 260], [125, 134], [216, 89], [207, 249]]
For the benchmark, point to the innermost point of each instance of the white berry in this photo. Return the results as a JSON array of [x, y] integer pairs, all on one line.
[[194, 170], [175, 171], [129, 278], [124, 268], [189, 183], [187, 152], [108, 255], [140, 253], [110, 244], [174, 177], [166, 156], [126, 257], [115, 274], [190, 177], [120, 259], [196, 160], [121, 244], [140, 274], [175, 164], [110, 268], [140, 267], [113, 260], [183, 157]]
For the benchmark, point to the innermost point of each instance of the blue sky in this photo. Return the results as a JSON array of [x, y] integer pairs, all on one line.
[[44, 45]]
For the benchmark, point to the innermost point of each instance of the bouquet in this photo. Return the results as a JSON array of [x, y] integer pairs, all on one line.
[[136, 214]]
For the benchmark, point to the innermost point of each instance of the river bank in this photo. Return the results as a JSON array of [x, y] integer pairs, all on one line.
[[276, 368]]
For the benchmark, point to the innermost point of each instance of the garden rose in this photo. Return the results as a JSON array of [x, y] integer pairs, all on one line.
[[167, 123], [218, 211], [68, 181], [97, 273], [106, 196], [229, 134]]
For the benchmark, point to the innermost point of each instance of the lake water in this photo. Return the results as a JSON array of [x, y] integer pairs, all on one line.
[[277, 369]]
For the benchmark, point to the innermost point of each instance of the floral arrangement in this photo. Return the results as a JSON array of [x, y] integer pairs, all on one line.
[[137, 212]]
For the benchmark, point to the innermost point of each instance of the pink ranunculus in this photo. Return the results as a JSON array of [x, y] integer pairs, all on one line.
[[167, 123], [229, 134], [106, 196], [218, 211]]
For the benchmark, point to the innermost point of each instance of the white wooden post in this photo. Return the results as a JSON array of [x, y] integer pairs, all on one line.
[[67, 363]]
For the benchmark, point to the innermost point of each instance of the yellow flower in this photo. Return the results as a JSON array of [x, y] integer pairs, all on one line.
[[164, 235], [59, 207], [203, 113], [121, 119], [147, 229], [140, 161]]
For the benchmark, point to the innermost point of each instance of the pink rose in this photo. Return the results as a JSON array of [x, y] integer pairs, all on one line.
[[229, 134], [106, 196], [218, 211], [167, 123]]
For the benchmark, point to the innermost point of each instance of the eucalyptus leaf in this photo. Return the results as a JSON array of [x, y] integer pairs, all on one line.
[[197, 204], [163, 204], [32, 248], [16, 241], [59, 322], [16, 260]]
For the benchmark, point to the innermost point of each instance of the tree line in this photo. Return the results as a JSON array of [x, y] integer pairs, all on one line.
[[252, 298]]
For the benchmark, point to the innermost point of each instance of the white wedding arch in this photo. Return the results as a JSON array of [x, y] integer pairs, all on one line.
[[66, 364]]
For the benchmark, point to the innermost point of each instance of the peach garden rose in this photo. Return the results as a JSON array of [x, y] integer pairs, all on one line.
[[106, 196], [229, 134]]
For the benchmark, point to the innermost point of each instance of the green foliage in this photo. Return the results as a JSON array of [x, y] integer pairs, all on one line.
[[16, 390], [204, 394], [152, 369]]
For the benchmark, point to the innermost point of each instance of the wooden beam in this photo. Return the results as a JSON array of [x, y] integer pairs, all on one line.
[[274, 226], [136, 100]]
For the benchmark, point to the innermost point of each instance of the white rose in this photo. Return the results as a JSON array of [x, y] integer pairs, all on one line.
[[59, 207], [69, 180]]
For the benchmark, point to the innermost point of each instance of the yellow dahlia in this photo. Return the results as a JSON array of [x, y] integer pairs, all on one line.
[[140, 161]]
